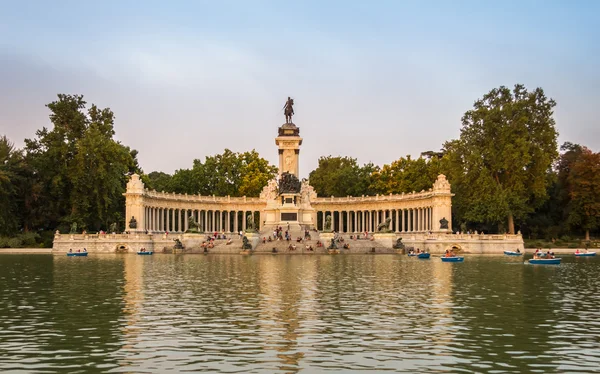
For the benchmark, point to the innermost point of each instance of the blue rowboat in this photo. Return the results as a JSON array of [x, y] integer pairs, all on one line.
[[453, 259], [588, 254], [512, 253], [145, 253], [423, 255], [545, 261], [77, 254]]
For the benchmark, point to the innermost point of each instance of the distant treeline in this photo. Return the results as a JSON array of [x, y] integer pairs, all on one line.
[[506, 171]]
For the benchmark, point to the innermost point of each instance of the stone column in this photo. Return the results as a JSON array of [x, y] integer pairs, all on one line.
[[402, 220], [167, 220], [185, 220], [355, 222], [244, 220], [333, 227]]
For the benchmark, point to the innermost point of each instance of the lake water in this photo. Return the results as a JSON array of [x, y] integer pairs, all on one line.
[[254, 314]]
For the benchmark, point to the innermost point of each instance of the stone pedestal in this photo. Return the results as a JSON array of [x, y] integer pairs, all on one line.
[[253, 238], [326, 238], [384, 239]]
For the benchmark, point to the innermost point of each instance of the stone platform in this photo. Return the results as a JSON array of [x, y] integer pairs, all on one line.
[[376, 243]]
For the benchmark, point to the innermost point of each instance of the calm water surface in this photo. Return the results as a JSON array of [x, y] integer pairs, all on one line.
[[253, 314]]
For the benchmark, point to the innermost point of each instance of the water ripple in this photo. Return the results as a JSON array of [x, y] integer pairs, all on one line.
[[263, 314]]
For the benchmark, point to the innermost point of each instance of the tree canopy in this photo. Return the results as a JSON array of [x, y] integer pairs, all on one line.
[[227, 174], [499, 164], [342, 176], [79, 171]]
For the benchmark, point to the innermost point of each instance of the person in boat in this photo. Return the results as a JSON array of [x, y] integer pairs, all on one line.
[[85, 250], [346, 246], [577, 252], [70, 250], [418, 250], [518, 251]]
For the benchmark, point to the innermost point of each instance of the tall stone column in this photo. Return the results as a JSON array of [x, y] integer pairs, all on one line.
[[402, 220], [333, 220], [244, 221], [185, 220], [168, 221]]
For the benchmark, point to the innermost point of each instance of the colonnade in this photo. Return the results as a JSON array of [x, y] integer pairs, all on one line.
[[402, 220], [158, 219]]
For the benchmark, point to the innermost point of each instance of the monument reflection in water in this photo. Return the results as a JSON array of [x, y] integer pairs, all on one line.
[[296, 314]]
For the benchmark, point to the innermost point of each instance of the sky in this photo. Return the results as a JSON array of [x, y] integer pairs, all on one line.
[[373, 80]]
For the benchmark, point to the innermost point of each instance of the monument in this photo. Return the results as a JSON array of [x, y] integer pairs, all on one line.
[[289, 204], [420, 219]]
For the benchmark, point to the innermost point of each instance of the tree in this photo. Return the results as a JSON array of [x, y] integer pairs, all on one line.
[[406, 175], [506, 147], [584, 191], [79, 171], [11, 184], [227, 174], [342, 176], [159, 181]]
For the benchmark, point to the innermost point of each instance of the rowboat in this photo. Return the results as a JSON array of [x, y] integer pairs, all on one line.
[[145, 253], [512, 253], [587, 254], [423, 255], [545, 261], [411, 254], [77, 254], [453, 259]]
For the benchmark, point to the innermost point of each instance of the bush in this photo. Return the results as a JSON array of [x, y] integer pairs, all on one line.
[[566, 238], [29, 239], [15, 242], [574, 245]]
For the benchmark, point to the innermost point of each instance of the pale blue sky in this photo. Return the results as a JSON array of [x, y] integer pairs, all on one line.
[[373, 80]]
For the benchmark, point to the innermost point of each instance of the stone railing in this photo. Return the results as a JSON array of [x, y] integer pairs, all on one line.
[[391, 197], [462, 236], [132, 236], [200, 198]]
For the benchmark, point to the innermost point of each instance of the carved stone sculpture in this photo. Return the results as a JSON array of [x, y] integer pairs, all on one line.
[[332, 245], [289, 183], [443, 223], [178, 244], [384, 226], [250, 224], [246, 243], [288, 110], [73, 228], [193, 226], [328, 223], [133, 223], [398, 244]]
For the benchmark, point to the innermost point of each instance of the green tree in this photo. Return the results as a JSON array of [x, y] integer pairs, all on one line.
[[342, 176], [584, 191], [227, 174], [506, 147], [79, 170], [11, 184], [159, 181], [406, 175]]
